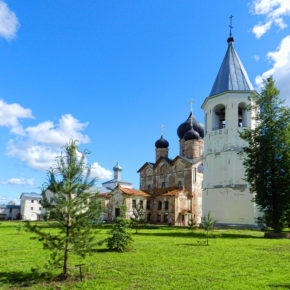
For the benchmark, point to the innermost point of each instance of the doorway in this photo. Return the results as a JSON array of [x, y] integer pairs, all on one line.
[[182, 220], [117, 212]]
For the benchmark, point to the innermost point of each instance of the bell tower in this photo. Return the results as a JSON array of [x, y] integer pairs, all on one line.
[[225, 192]]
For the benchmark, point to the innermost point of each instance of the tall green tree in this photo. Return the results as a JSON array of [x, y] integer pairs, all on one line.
[[267, 163], [68, 202]]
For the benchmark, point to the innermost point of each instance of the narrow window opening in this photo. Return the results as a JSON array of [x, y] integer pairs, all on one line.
[[219, 117], [159, 205], [148, 204], [242, 115], [159, 218], [166, 205], [148, 217]]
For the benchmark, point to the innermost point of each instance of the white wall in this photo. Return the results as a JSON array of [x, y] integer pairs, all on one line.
[[30, 209]]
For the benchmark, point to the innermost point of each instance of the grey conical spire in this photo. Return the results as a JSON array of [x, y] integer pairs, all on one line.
[[232, 76]]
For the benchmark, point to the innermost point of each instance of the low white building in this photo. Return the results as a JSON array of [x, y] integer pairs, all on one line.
[[9, 212], [30, 206]]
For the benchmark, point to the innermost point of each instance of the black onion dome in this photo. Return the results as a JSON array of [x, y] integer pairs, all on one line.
[[161, 143], [191, 135], [200, 129], [184, 127]]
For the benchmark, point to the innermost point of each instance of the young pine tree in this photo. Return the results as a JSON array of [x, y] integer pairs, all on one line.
[[121, 239], [138, 218], [267, 162], [208, 223], [67, 201], [191, 223]]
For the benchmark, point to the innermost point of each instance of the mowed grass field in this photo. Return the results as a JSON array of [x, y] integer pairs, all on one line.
[[162, 258]]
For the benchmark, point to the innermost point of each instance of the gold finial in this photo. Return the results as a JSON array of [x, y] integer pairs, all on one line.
[[162, 128], [191, 101], [231, 25], [191, 121]]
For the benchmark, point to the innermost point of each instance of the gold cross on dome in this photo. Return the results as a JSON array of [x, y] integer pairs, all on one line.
[[191, 121], [191, 101], [162, 128]]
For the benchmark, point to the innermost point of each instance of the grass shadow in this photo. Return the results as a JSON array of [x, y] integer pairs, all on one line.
[[193, 245], [102, 250], [23, 279], [217, 235]]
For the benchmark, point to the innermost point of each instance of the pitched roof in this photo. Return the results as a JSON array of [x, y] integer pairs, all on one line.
[[132, 191], [168, 160], [184, 211], [145, 165], [173, 192], [31, 195], [106, 194], [232, 76], [12, 206], [167, 191], [98, 189], [116, 180]]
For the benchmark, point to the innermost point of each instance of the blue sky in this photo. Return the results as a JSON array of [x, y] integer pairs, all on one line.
[[110, 73]]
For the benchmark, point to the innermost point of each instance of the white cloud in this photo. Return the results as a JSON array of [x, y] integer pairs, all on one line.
[[10, 115], [280, 70], [8, 22], [35, 156], [100, 172], [261, 29], [273, 10], [68, 128], [38, 146], [42, 143], [256, 57], [18, 181]]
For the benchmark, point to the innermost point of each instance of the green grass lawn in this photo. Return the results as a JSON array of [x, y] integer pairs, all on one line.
[[162, 258]]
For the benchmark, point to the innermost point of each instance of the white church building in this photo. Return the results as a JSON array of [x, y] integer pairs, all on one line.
[[225, 192]]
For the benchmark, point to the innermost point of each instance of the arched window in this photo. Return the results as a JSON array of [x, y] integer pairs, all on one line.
[[242, 115], [219, 117]]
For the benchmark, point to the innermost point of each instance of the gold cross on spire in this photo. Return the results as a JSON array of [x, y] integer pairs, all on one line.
[[162, 128], [231, 25], [191, 101]]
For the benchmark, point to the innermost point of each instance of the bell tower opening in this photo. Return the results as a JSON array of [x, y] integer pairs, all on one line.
[[242, 115], [219, 117]]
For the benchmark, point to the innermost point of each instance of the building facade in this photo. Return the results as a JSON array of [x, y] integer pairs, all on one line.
[[170, 189], [30, 206], [225, 192], [9, 212], [175, 185]]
